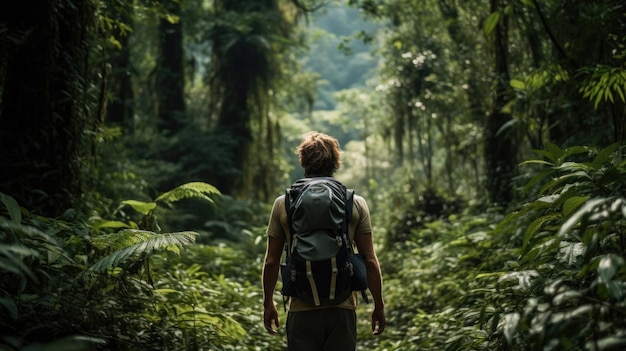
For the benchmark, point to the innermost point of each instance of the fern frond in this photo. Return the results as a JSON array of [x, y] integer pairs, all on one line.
[[198, 190], [122, 239], [149, 243]]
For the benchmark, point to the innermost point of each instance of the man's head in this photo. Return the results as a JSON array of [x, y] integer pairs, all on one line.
[[319, 155]]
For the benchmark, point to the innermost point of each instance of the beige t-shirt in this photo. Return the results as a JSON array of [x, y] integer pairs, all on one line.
[[360, 224]]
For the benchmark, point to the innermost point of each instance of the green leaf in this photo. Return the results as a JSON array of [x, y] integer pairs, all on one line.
[[489, 275], [555, 151], [573, 166], [566, 180], [517, 84], [121, 239], [111, 224], [534, 227], [610, 176], [540, 162], [539, 176], [140, 206], [608, 266], [575, 219], [511, 322], [15, 213], [572, 204], [11, 256], [612, 342], [575, 150], [148, 245], [491, 23], [604, 155], [546, 154], [197, 190]]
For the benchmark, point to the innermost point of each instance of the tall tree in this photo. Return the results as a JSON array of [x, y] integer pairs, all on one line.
[[41, 117], [249, 41], [120, 109], [500, 150], [170, 83]]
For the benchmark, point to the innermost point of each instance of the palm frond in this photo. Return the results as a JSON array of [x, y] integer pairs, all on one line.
[[144, 243], [198, 190]]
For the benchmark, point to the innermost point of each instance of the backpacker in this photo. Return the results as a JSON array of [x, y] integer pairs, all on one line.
[[321, 267]]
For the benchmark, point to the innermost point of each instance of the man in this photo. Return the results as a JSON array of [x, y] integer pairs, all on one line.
[[311, 328]]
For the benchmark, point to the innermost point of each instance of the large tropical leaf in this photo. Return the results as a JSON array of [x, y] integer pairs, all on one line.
[[143, 243]]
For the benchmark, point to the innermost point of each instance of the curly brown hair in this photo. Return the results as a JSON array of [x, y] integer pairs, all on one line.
[[319, 154]]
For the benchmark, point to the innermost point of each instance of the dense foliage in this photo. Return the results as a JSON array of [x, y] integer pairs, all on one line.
[[547, 276]]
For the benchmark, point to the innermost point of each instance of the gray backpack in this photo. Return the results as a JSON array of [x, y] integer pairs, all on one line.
[[321, 267]]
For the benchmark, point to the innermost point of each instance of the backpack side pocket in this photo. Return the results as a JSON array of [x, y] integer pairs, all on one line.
[[289, 285], [359, 276]]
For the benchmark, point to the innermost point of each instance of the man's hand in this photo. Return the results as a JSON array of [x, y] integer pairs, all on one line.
[[270, 319], [378, 320]]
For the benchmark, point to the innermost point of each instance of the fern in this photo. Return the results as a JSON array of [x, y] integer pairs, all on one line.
[[191, 190], [122, 239], [132, 243]]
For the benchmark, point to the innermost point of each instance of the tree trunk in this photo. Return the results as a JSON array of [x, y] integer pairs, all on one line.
[[120, 110], [170, 76], [41, 121], [500, 155], [244, 69], [467, 57]]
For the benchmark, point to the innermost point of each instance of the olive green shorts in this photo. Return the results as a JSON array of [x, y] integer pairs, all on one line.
[[326, 329]]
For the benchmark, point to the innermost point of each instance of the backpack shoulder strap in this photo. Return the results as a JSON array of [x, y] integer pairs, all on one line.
[[290, 194], [348, 212], [289, 221]]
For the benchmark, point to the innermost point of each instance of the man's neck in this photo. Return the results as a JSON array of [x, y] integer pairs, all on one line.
[[306, 175]]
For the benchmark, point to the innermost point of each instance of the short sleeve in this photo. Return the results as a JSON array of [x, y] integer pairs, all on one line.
[[277, 226], [363, 221]]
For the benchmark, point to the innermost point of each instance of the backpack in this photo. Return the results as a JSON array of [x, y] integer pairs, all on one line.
[[321, 267]]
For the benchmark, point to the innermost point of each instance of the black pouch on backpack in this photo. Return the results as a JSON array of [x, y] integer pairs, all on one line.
[[289, 286], [359, 277]]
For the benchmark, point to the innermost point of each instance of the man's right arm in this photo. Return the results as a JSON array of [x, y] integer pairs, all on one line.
[[271, 268], [271, 265]]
